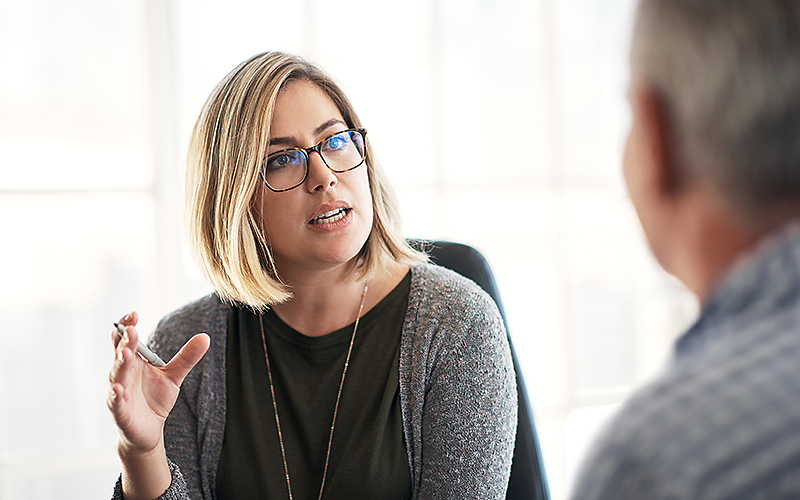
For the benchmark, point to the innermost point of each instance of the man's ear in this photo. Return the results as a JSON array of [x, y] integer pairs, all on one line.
[[657, 141]]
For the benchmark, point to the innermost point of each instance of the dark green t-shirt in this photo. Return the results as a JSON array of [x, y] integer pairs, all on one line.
[[368, 456]]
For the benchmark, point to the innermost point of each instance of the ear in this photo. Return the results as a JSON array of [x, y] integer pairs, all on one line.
[[650, 174], [656, 141]]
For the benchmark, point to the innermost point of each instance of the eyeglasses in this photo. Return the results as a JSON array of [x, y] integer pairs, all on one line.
[[341, 152]]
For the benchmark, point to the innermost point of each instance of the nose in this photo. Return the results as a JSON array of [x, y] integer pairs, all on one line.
[[320, 177]]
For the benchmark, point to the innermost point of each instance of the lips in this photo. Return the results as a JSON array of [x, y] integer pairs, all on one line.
[[330, 216], [328, 213]]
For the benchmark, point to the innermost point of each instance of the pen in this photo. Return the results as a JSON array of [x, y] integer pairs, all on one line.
[[146, 353]]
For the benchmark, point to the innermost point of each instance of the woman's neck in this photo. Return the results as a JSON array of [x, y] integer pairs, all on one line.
[[323, 302]]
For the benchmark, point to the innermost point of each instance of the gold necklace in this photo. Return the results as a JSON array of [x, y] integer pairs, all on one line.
[[335, 408]]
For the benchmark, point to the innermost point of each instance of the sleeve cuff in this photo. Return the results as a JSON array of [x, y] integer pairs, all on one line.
[[177, 489]]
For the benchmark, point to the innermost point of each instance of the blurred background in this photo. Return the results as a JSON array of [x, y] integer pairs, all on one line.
[[518, 118]]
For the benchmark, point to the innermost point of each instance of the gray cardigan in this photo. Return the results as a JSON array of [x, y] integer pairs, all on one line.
[[457, 392]]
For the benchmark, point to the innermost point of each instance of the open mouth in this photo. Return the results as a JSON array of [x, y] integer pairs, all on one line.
[[329, 217]]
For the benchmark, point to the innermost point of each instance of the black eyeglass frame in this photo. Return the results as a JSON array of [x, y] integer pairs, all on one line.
[[307, 152]]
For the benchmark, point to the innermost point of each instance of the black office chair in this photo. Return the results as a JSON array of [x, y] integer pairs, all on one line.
[[528, 480]]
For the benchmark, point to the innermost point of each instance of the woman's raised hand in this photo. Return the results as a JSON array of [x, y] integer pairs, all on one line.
[[140, 398]]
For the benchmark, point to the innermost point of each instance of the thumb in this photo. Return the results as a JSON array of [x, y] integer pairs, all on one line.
[[191, 352]]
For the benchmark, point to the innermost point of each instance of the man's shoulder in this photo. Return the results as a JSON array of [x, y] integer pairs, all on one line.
[[698, 424]]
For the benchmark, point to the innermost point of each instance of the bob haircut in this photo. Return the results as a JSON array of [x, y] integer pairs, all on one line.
[[226, 151]]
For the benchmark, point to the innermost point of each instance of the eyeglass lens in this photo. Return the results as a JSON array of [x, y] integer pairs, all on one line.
[[340, 152]]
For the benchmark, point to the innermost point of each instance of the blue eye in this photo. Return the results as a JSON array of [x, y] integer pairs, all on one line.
[[339, 141]]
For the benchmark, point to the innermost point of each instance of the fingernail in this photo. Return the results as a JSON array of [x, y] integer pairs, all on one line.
[[127, 318], [120, 357], [125, 335], [113, 394]]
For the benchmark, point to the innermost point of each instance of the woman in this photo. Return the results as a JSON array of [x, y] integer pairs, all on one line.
[[341, 365]]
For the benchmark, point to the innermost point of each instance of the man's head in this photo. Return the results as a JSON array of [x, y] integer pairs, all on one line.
[[715, 95]]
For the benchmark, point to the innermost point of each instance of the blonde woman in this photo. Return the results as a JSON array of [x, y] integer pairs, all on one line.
[[335, 362]]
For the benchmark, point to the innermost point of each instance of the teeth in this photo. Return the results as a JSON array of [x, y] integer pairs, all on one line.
[[329, 217]]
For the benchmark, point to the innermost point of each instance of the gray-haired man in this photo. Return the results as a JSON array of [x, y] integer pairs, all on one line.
[[712, 165]]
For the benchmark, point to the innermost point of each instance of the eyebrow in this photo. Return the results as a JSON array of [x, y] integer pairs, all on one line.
[[286, 141]]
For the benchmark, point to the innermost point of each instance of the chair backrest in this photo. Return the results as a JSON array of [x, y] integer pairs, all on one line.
[[528, 480]]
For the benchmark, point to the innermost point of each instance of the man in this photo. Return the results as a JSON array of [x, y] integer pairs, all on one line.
[[712, 165]]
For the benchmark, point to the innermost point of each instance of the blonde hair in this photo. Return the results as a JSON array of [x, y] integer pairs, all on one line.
[[227, 146]]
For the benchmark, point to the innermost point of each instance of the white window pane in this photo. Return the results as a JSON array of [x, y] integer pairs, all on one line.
[[72, 265], [72, 99]]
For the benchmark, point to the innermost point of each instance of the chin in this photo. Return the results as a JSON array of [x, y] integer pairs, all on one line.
[[341, 255]]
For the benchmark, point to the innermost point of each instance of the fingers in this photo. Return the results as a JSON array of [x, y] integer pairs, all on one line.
[[125, 361], [131, 319], [191, 352], [129, 373], [116, 395], [122, 377], [128, 320]]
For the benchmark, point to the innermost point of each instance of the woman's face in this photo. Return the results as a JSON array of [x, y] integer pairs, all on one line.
[[324, 222]]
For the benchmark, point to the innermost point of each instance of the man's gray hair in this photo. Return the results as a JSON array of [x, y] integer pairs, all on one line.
[[728, 73]]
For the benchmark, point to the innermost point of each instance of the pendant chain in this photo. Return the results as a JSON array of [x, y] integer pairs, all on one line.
[[335, 408]]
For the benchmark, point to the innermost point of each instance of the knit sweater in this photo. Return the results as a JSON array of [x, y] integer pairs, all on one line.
[[457, 392]]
